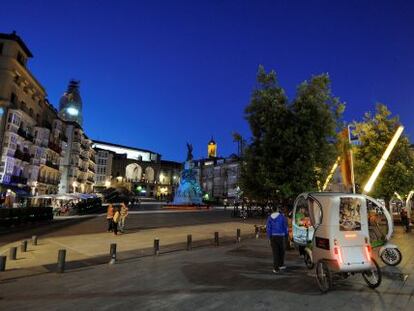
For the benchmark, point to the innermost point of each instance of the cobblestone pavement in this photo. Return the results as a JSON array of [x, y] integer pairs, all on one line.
[[229, 277]]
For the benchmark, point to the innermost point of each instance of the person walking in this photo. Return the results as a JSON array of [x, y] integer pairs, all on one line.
[[110, 217], [115, 220], [123, 215], [277, 230]]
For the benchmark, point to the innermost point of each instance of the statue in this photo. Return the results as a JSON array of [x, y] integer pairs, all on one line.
[[189, 191], [189, 152]]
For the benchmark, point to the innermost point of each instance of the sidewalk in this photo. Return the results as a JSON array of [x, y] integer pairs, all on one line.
[[89, 249], [232, 277]]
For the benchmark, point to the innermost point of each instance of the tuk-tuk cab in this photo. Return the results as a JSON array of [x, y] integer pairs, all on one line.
[[334, 229]]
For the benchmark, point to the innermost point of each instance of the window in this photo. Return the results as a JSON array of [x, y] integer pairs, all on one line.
[[21, 59], [13, 98], [1, 48], [350, 214]]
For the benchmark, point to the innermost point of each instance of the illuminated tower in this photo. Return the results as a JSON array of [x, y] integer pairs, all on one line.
[[212, 148], [70, 104]]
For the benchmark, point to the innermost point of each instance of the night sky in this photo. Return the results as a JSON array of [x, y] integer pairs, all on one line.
[[156, 74]]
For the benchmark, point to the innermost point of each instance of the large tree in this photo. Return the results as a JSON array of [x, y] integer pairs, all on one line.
[[375, 133], [292, 144]]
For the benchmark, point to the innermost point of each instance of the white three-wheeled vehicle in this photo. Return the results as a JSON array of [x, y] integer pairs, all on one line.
[[333, 230]]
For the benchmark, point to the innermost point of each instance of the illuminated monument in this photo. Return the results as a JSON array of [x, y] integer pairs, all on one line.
[[70, 105], [189, 191]]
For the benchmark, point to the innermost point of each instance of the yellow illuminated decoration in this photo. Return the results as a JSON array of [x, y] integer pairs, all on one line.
[[383, 159], [212, 149], [331, 173]]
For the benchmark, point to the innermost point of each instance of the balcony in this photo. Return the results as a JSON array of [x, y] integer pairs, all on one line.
[[25, 134], [91, 168], [18, 180], [55, 147], [49, 181], [23, 156], [92, 158], [52, 165], [91, 179], [83, 157], [83, 169]]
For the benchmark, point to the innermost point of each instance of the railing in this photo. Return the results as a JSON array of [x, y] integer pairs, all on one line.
[[17, 216], [49, 181]]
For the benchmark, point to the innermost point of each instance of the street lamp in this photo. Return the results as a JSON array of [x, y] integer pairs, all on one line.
[[383, 159]]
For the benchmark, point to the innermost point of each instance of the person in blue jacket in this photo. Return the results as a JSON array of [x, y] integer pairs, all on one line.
[[277, 231]]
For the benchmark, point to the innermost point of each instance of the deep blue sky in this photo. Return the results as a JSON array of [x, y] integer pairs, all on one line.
[[156, 74]]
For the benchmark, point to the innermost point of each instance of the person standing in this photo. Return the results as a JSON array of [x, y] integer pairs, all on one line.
[[123, 216], [110, 217], [115, 220], [277, 230], [404, 219]]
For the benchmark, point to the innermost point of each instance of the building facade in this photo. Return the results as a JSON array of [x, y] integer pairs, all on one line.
[[140, 170], [31, 133], [219, 177], [78, 164]]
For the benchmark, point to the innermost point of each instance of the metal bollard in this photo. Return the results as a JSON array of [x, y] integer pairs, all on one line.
[[3, 263], [238, 234], [112, 253], [61, 261], [12, 253], [216, 239], [23, 246], [256, 231], [34, 239], [157, 246], [189, 242]]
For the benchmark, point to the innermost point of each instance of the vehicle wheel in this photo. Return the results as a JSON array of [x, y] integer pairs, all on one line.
[[323, 276], [373, 277], [391, 256], [308, 261]]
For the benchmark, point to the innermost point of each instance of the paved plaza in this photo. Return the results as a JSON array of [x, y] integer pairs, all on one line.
[[229, 277]]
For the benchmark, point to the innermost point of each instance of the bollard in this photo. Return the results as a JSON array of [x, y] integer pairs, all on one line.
[[61, 261], [256, 231], [157, 246], [112, 253], [238, 236], [216, 239], [189, 242], [34, 239], [13, 252], [23, 246], [2, 263]]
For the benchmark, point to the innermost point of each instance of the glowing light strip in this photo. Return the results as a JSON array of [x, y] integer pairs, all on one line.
[[331, 174], [383, 159]]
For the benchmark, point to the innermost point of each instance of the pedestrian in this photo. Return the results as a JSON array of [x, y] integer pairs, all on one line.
[[123, 215], [110, 217], [404, 219], [277, 230], [115, 220]]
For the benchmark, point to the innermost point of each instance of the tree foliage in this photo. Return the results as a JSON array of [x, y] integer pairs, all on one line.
[[293, 143], [375, 133]]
